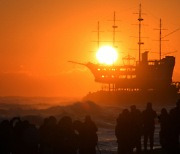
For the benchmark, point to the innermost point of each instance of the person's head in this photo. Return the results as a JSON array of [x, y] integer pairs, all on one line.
[[164, 111], [149, 106], [133, 108], [125, 112], [119, 117], [4, 123], [52, 120], [65, 121]]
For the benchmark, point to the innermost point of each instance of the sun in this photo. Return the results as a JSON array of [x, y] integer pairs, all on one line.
[[107, 55]]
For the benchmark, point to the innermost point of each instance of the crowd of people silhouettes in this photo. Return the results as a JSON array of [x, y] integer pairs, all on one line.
[[76, 137], [52, 137], [132, 125]]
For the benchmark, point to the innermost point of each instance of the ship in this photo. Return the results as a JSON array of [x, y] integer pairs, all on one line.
[[139, 81]]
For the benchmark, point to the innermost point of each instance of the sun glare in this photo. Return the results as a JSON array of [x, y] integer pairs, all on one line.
[[107, 55]]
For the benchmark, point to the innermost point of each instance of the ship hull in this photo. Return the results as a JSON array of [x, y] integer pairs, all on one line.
[[162, 97]]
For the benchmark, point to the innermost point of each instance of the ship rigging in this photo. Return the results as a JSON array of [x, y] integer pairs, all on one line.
[[137, 76]]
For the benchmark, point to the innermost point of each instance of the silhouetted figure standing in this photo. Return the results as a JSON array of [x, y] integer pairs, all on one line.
[[136, 125], [30, 139], [6, 135], [174, 129], [90, 133], [47, 135], [81, 136], [123, 132], [164, 121], [66, 142], [149, 116], [19, 128]]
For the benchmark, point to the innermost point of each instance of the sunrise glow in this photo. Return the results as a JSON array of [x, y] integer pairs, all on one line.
[[107, 55]]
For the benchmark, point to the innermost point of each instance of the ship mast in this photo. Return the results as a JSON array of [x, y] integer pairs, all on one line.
[[140, 20], [98, 35], [160, 39], [114, 28]]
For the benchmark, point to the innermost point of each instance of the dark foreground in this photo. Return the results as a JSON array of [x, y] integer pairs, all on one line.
[[155, 151], [71, 131]]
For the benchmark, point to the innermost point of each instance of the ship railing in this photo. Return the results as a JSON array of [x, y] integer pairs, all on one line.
[[150, 62]]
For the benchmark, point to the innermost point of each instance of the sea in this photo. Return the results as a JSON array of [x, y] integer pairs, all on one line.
[[35, 109]]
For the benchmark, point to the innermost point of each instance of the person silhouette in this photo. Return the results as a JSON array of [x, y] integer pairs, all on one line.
[[136, 125], [81, 136], [164, 121], [6, 134], [123, 133], [67, 139], [30, 139], [174, 129], [47, 135], [149, 116], [90, 134], [19, 128]]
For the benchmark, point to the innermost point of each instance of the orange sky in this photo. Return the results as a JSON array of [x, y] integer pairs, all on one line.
[[38, 37]]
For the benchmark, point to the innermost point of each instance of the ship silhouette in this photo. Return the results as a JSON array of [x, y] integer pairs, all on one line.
[[135, 81]]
